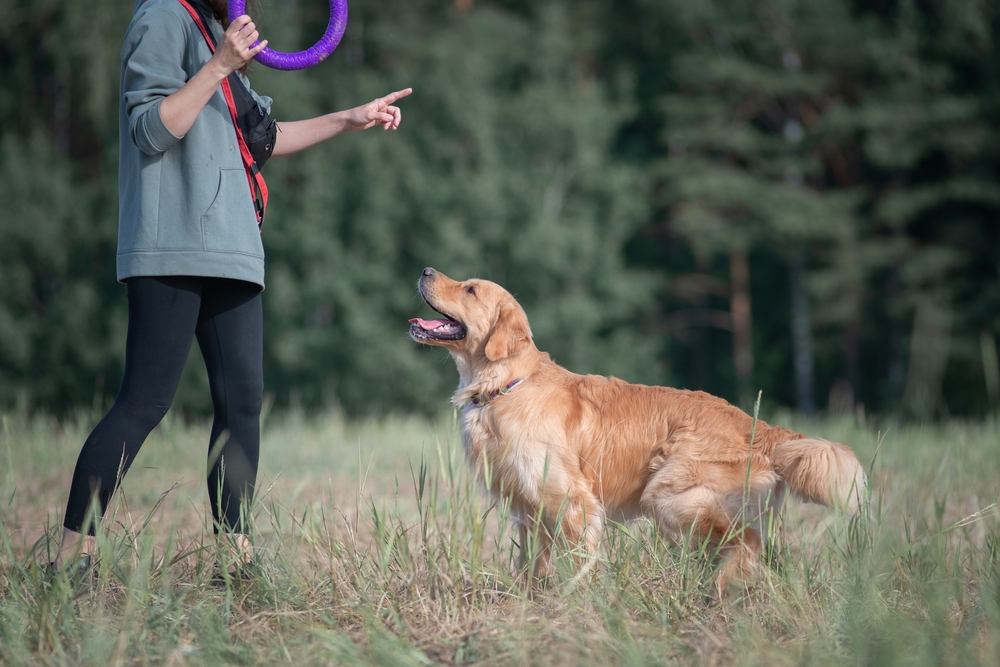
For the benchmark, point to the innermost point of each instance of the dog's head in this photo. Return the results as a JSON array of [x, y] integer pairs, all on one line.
[[482, 324]]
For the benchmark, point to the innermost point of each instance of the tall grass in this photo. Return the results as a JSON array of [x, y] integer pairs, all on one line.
[[374, 546]]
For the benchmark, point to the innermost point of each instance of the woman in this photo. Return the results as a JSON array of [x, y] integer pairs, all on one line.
[[190, 252]]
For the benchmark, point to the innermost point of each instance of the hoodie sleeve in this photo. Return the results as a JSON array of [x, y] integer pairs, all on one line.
[[152, 58]]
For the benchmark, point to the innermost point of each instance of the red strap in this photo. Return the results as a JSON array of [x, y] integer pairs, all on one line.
[[258, 188]]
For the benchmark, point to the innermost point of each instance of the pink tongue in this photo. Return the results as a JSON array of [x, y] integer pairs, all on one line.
[[429, 325]]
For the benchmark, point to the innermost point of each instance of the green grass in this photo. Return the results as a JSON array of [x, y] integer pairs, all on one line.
[[376, 548]]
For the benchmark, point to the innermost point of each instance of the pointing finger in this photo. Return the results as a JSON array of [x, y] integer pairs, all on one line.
[[392, 97]]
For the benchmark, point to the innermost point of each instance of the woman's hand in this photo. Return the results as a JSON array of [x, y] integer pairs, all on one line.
[[237, 47], [377, 112]]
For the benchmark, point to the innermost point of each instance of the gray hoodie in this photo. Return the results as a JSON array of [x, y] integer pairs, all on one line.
[[184, 202]]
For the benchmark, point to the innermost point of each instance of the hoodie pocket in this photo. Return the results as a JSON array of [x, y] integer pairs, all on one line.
[[229, 224]]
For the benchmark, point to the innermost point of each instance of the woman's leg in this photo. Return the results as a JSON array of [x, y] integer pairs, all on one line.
[[163, 315], [231, 336]]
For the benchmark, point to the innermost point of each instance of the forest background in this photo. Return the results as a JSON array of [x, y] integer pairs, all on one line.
[[795, 196]]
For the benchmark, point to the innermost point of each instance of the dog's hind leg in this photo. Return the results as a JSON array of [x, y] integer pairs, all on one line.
[[738, 556], [684, 508], [736, 546]]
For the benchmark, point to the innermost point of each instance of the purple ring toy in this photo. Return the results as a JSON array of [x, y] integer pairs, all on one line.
[[311, 56]]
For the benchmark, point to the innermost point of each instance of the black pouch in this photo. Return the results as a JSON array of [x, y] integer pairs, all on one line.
[[258, 128]]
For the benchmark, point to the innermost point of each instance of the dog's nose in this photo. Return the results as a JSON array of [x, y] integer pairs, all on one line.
[[428, 272]]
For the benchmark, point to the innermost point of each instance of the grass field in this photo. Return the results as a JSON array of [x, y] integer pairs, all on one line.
[[375, 548]]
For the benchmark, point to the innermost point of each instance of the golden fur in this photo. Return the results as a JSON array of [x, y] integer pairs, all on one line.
[[576, 450]]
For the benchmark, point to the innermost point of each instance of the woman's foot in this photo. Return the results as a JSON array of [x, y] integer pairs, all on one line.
[[80, 573], [244, 549], [241, 571], [237, 563], [74, 544]]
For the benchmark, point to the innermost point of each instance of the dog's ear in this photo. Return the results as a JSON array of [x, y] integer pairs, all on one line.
[[510, 329]]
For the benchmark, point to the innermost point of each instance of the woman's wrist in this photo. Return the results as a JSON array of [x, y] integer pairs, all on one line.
[[336, 123], [215, 70]]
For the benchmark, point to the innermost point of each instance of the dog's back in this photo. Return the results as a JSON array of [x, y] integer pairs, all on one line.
[[627, 431]]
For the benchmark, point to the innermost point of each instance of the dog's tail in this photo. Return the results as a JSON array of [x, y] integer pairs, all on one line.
[[819, 471]]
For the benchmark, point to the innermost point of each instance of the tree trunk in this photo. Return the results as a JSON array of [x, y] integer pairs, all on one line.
[[991, 368], [896, 370], [699, 349], [801, 348], [739, 276], [843, 392], [61, 114], [929, 351]]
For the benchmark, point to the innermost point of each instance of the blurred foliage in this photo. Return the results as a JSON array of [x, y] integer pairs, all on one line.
[[606, 162]]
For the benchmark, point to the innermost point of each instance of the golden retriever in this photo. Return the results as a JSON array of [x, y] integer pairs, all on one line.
[[572, 451]]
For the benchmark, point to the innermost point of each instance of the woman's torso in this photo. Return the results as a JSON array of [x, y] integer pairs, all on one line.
[[184, 203]]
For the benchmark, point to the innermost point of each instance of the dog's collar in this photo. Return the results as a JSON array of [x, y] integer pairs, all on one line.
[[482, 399]]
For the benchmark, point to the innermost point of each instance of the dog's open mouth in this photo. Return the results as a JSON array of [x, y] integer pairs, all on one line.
[[446, 329]]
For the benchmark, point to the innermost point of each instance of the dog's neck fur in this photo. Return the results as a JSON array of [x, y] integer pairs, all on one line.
[[478, 375]]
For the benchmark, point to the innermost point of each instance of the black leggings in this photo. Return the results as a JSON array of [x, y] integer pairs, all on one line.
[[164, 314]]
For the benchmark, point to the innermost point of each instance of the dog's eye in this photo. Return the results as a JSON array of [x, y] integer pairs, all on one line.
[[470, 289]]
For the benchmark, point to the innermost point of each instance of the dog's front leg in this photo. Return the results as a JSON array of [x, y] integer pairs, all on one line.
[[581, 523], [576, 521], [536, 547]]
